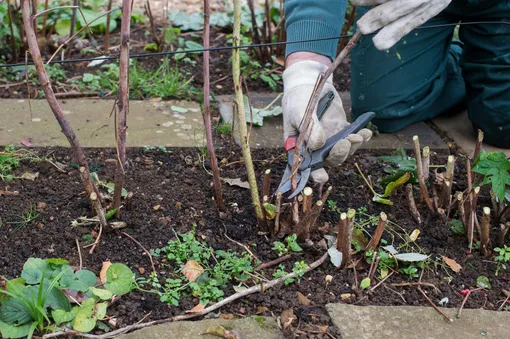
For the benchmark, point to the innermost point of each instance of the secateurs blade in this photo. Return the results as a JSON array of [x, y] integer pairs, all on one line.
[[312, 161]]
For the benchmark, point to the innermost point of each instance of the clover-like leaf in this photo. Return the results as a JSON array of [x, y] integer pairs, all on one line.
[[119, 279]]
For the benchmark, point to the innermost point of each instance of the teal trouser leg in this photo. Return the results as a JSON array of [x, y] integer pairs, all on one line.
[[422, 76], [486, 71], [415, 80]]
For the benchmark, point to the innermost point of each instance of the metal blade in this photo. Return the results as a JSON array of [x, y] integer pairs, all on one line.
[[285, 184], [301, 183]]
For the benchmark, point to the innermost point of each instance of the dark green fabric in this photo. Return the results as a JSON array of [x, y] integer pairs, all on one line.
[[314, 19], [425, 74]]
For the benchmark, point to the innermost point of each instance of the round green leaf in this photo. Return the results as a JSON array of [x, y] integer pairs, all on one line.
[[100, 311], [11, 331], [57, 261], [61, 316], [483, 281], [119, 279], [84, 322], [101, 293]]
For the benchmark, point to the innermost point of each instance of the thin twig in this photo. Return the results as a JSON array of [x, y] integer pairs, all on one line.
[[419, 172], [434, 305], [380, 282], [273, 262], [144, 249], [254, 289], [79, 252], [416, 284], [466, 298]]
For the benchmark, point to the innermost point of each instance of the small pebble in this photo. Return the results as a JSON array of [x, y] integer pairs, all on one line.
[[141, 270]]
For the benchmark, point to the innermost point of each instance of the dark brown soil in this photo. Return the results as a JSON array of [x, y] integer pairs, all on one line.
[[178, 183]]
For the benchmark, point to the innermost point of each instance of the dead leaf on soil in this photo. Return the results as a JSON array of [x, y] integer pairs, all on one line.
[[197, 309], [26, 142], [453, 264], [261, 309], [222, 332], [236, 182], [287, 318], [192, 270], [102, 274], [302, 299], [414, 235], [30, 176], [229, 316]]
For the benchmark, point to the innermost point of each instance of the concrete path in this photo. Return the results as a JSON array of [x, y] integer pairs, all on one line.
[[149, 123], [404, 322], [271, 134], [248, 328], [357, 322]]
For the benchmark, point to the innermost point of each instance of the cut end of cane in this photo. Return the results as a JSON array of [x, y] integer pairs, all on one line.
[[426, 151], [267, 172], [477, 189], [351, 213], [383, 216], [307, 191], [319, 203], [93, 196], [343, 216], [486, 211]]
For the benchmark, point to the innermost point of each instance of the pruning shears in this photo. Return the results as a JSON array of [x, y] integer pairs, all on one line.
[[312, 161]]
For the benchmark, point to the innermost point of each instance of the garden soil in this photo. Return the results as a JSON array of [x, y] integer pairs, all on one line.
[[172, 193]]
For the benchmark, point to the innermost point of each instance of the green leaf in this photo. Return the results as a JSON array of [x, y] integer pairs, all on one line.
[[187, 22], [12, 311], [494, 166], [108, 215], [270, 210], [220, 19], [193, 45], [102, 293], [396, 184], [410, 257], [56, 261], [151, 47], [379, 199], [84, 322], [32, 275], [81, 281], [62, 316], [31, 266], [56, 299], [87, 77], [119, 279], [12, 331], [483, 281], [100, 311], [63, 27], [365, 283], [15, 286]]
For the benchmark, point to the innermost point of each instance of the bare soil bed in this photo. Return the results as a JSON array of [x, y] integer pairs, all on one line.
[[178, 183]]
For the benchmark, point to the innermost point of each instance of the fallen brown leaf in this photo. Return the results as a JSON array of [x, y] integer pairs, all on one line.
[[26, 142], [229, 316], [303, 300], [287, 318], [220, 331], [236, 182], [261, 309], [192, 270], [102, 274], [452, 263], [197, 309]]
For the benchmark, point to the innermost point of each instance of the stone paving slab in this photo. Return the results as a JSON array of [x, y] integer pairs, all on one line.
[[249, 328], [270, 135], [149, 123], [405, 322], [459, 128]]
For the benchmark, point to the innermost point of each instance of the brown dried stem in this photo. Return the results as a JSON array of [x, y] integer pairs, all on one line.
[[381, 224], [478, 146], [59, 114], [267, 183], [123, 104], [485, 241], [255, 37], [434, 305], [277, 213], [460, 210], [412, 204], [11, 27], [419, 172], [307, 199], [207, 114], [448, 182], [144, 249], [502, 232], [73, 16], [273, 262], [155, 36]]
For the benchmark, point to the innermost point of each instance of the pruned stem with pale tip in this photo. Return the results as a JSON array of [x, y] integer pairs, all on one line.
[[419, 173], [412, 204], [307, 199], [485, 241], [381, 224], [425, 159]]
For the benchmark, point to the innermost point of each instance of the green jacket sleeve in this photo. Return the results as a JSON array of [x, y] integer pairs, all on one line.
[[314, 19]]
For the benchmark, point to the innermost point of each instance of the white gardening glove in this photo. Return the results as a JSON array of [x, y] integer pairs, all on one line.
[[396, 18], [298, 84]]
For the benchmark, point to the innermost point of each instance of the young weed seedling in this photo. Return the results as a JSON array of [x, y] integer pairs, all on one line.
[[291, 246], [502, 257], [26, 217], [299, 266]]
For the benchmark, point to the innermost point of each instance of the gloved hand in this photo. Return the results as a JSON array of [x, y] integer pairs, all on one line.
[[298, 83], [396, 18]]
